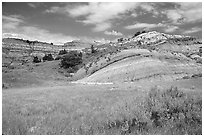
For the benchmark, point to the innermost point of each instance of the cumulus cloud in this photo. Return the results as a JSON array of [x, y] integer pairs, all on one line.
[[14, 26], [113, 32], [192, 30], [149, 8], [34, 4], [186, 11], [165, 27], [11, 22], [171, 28], [102, 26], [55, 9], [142, 25], [101, 15], [174, 15]]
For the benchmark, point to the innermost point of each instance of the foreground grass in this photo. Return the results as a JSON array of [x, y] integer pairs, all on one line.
[[95, 110]]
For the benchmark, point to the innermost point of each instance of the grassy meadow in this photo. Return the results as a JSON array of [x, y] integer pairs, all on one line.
[[95, 109]]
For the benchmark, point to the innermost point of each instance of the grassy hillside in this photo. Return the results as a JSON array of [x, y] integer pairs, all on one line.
[[29, 74]]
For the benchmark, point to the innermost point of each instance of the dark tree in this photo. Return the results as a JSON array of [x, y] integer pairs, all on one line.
[[36, 60], [61, 52], [138, 33], [92, 49], [48, 57], [143, 31], [71, 60], [120, 39]]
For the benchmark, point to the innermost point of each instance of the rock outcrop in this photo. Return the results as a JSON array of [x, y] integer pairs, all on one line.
[[28, 47]]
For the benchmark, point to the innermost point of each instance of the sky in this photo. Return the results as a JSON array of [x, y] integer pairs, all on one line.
[[60, 22]]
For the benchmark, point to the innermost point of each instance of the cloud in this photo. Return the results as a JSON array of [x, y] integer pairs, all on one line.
[[171, 28], [45, 35], [11, 22], [188, 12], [174, 15], [101, 15], [165, 27], [192, 30], [142, 25], [14, 26], [102, 26], [55, 9], [192, 11], [149, 8], [13, 18], [133, 14], [113, 32], [34, 4]]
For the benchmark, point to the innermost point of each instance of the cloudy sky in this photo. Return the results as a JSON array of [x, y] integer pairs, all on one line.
[[61, 22]]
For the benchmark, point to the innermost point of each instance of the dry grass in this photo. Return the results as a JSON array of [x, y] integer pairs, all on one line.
[[98, 110]]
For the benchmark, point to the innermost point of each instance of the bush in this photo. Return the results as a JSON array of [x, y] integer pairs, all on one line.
[[174, 111], [48, 57], [170, 112], [196, 75], [92, 49], [138, 33], [61, 52], [120, 40], [36, 60], [72, 59]]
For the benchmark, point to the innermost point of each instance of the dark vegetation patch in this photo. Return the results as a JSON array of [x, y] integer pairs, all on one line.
[[48, 57], [62, 52], [138, 33], [36, 59], [71, 61], [196, 75], [164, 112]]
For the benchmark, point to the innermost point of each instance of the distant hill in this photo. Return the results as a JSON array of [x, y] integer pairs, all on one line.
[[79, 44]]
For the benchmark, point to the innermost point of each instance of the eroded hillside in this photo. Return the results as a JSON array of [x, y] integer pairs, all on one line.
[[149, 56]]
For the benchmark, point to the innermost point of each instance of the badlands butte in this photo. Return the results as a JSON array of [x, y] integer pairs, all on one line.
[[146, 58]]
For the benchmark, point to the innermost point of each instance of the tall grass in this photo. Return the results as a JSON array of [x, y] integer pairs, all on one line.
[[165, 112], [170, 111]]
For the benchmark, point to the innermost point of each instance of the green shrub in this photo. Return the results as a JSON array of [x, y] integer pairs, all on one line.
[[48, 57], [62, 52], [72, 59], [138, 33], [196, 75], [36, 60], [92, 49], [175, 111], [170, 112]]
